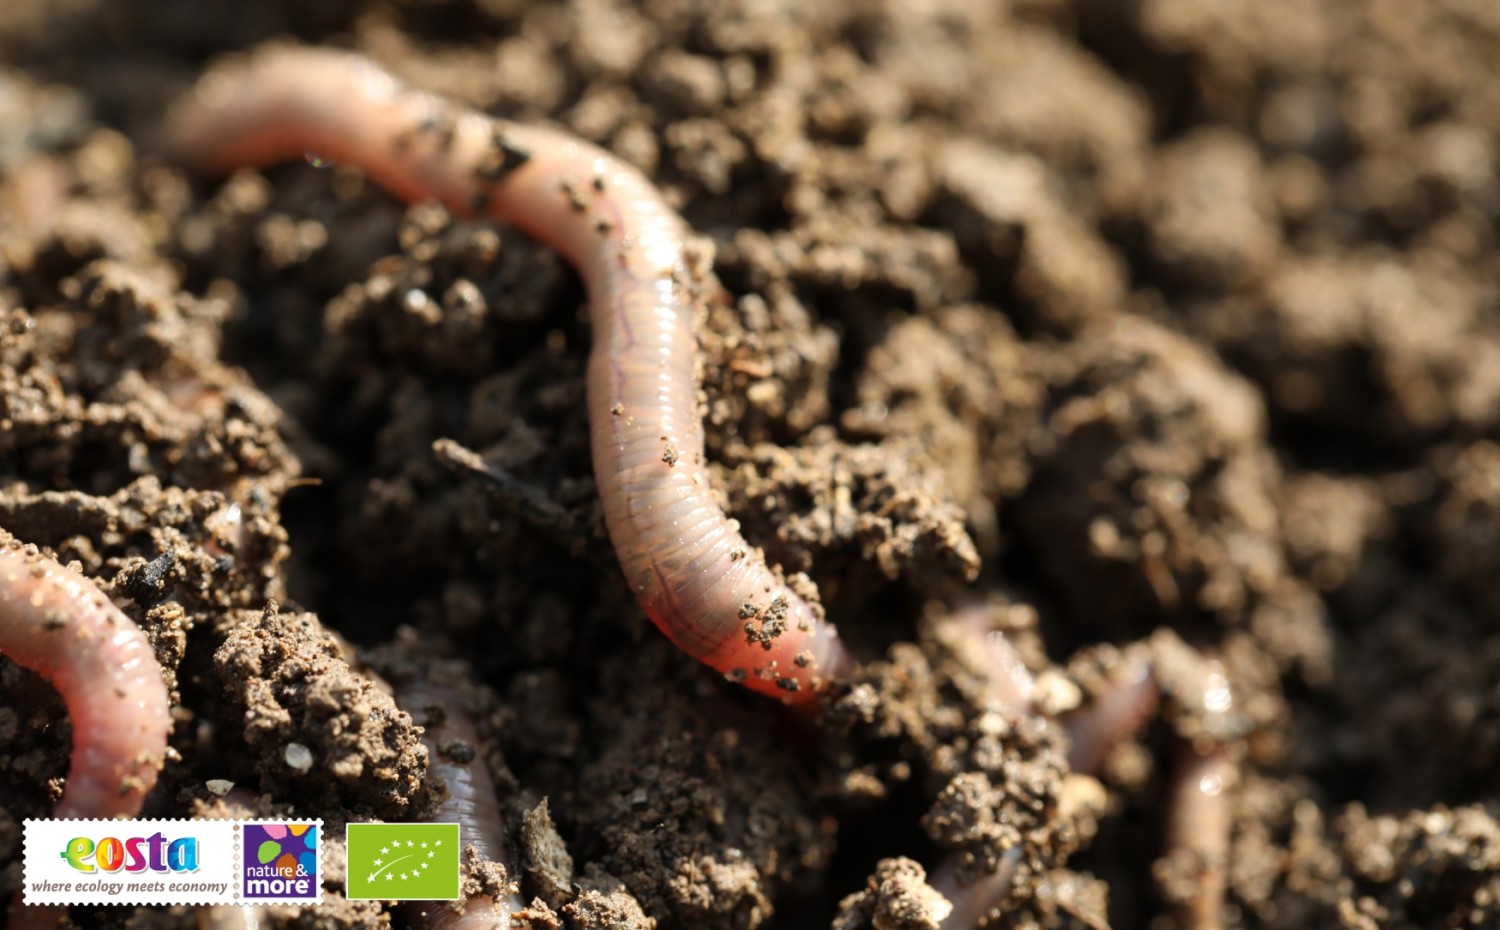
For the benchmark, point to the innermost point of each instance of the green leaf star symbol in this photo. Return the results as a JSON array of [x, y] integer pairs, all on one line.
[[394, 861]]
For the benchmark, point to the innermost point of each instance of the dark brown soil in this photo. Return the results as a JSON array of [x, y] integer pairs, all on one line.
[[1149, 322]]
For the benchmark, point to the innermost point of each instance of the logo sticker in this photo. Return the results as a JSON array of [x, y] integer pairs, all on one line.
[[281, 862], [128, 862], [403, 862], [224, 862]]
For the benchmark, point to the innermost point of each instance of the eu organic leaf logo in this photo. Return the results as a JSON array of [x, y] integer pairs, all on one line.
[[403, 861]]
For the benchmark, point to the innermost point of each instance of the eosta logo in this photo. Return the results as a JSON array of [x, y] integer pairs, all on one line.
[[133, 854]]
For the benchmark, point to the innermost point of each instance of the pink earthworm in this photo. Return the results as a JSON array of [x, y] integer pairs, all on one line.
[[1201, 816], [60, 625], [455, 756], [1198, 831], [1007, 680], [1117, 714], [1009, 685], [975, 902], [691, 570]]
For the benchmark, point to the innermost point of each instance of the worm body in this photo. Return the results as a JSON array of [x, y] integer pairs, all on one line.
[[1198, 833], [1007, 681], [690, 569], [1116, 716], [1008, 684], [453, 751], [974, 904], [60, 625]]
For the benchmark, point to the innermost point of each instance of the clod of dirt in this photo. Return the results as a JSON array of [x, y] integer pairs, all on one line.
[[881, 502], [1366, 347], [693, 803], [1395, 858], [1292, 865], [128, 384], [898, 898], [998, 777], [1334, 525], [605, 904], [175, 559], [320, 731], [961, 382], [544, 858], [1061, 103], [1465, 523], [1012, 224], [1154, 480], [1209, 219], [767, 370]]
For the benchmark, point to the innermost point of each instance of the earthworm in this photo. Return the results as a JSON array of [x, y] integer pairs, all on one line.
[[689, 567], [1125, 706], [60, 625], [1198, 832], [1116, 715], [974, 902], [1007, 681], [1200, 817], [453, 751], [1008, 684]]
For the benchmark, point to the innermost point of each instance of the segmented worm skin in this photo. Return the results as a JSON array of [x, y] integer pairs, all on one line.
[[471, 800], [691, 570], [60, 625]]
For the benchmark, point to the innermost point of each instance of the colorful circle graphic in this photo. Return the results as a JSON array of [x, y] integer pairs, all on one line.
[[288, 845]]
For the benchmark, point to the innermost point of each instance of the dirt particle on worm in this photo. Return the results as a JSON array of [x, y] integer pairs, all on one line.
[[574, 194], [764, 624], [502, 158]]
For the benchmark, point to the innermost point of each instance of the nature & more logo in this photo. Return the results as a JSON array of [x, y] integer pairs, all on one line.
[[403, 861], [280, 862]]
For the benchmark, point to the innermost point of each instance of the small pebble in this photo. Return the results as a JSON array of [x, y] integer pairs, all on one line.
[[298, 757]]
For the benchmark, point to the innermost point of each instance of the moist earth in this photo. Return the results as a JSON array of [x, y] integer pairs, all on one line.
[[1166, 327]]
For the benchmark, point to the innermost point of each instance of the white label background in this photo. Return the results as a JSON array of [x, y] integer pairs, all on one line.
[[50, 879]]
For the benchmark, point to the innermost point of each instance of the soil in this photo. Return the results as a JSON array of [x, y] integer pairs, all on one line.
[[1166, 325]]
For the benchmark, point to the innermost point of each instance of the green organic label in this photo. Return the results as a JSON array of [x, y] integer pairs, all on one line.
[[403, 861]]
